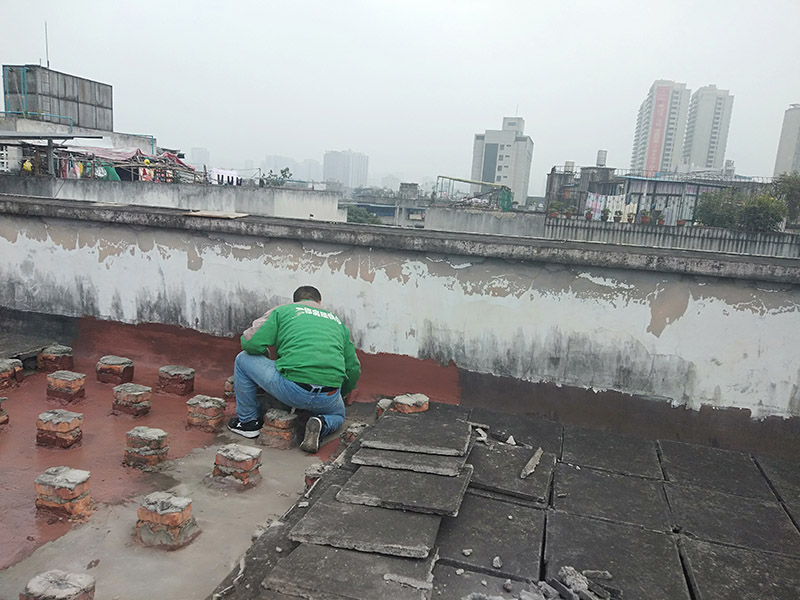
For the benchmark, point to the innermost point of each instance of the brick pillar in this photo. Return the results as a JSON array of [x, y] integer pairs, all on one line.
[[59, 428], [10, 373], [174, 379], [145, 447], [3, 413], [166, 521], [132, 398], [59, 585], [114, 369], [411, 403], [206, 412], [63, 491], [66, 386], [240, 462], [230, 392], [281, 430], [54, 358]]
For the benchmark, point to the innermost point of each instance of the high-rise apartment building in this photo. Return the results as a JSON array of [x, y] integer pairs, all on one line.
[[660, 126], [504, 156], [788, 158], [707, 128], [345, 166]]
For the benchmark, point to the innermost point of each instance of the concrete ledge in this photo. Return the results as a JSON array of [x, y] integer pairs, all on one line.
[[614, 256]]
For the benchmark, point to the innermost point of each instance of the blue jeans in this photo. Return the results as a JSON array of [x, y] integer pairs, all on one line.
[[251, 371]]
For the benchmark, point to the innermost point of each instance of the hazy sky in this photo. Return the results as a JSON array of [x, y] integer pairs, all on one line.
[[409, 83]]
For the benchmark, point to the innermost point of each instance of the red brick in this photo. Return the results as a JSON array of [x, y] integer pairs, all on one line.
[[173, 379], [58, 439], [241, 465], [114, 374], [48, 363], [61, 492], [282, 439], [3, 417], [66, 381], [11, 373], [210, 412], [246, 477], [170, 519], [407, 409], [74, 508], [137, 410], [135, 459], [60, 426], [206, 423], [280, 419]]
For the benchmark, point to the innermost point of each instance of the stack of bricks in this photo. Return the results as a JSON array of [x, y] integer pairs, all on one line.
[[10, 373], [145, 447], [132, 398], [66, 386], [281, 429], [59, 428], [166, 521], [114, 369], [230, 392], [410, 403], [206, 412], [3, 413], [314, 472], [63, 491], [240, 462], [382, 406], [174, 379], [54, 358], [59, 585]]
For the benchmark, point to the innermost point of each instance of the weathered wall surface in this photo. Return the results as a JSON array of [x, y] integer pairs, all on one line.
[[693, 339], [272, 202], [712, 239]]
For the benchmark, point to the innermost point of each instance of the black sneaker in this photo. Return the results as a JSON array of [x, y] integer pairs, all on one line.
[[311, 440], [249, 429]]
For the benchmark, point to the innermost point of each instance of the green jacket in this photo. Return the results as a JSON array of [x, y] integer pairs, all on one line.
[[312, 345]]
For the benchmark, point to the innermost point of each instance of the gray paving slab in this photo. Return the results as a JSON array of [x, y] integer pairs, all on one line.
[[406, 490], [498, 468], [720, 572], [418, 433], [613, 452], [643, 564], [712, 468], [747, 522], [527, 429], [453, 583], [620, 498], [441, 410], [505, 497], [488, 528], [410, 461], [367, 528], [326, 573], [793, 507], [783, 475], [22, 345], [332, 477]]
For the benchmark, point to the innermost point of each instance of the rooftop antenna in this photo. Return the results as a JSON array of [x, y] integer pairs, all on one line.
[[46, 45], [516, 114]]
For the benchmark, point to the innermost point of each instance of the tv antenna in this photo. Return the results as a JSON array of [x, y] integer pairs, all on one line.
[[46, 45]]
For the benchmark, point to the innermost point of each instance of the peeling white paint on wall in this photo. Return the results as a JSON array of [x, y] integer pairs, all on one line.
[[688, 340]]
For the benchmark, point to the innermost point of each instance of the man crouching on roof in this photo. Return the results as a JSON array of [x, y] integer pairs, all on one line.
[[315, 366]]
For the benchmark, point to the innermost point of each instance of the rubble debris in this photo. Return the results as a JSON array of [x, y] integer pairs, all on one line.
[[482, 436], [206, 413], [132, 398], [497, 562], [56, 357], [574, 580], [597, 575], [466, 551], [175, 379], [63, 491], [314, 472], [507, 585], [145, 447], [59, 428], [66, 386], [10, 373], [382, 406], [114, 369], [411, 403], [531, 465], [511, 441], [59, 585], [166, 521]]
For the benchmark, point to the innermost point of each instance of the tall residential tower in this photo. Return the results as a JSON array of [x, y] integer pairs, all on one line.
[[347, 167], [658, 141], [788, 158], [707, 128], [504, 156]]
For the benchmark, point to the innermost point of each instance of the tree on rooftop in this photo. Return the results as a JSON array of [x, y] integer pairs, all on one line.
[[718, 209], [277, 180], [356, 214], [786, 187], [734, 210], [762, 213]]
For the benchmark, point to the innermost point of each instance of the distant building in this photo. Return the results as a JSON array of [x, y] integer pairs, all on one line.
[[707, 128], [347, 167], [199, 158], [660, 127], [788, 158], [309, 170], [504, 156], [390, 182]]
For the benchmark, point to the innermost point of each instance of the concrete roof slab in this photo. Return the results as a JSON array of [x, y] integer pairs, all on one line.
[[526, 429], [410, 461], [618, 498], [489, 528], [420, 432], [613, 452], [747, 522], [783, 475], [643, 564], [449, 584], [498, 468]]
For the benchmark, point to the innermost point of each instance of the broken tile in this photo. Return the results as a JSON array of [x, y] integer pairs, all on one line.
[[747, 522], [498, 468], [450, 585], [406, 490], [644, 564], [720, 572], [620, 498], [367, 528], [418, 433], [526, 429], [712, 468], [504, 497], [312, 571], [410, 461], [613, 452], [484, 526]]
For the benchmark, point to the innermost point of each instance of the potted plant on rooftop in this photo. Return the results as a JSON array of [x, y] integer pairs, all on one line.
[[604, 214], [617, 216], [589, 214], [568, 212], [631, 216], [645, 215], [554, 210], [658, 215]]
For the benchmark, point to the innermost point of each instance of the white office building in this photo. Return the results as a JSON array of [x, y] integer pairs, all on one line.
[[788, 158], [346, 167], [707, 129], [504, 156], [660, 127]]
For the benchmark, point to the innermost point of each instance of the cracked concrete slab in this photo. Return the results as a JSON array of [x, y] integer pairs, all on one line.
[[746, 522], [498, 468], [454, 583], [613, 452], [712, 468], [419, 432], [410, 461], [367, 528], [406, 490], [489, 528], [526, 429], [643, 564], [605, 495], [784, 477], [720, 572]]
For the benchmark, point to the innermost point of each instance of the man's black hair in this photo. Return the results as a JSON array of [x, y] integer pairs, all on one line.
[[307, 292]]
